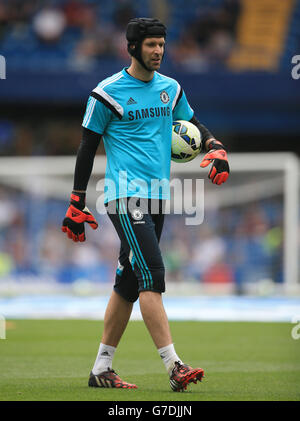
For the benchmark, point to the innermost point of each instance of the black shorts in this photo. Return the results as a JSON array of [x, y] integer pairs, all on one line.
[[139, 224]]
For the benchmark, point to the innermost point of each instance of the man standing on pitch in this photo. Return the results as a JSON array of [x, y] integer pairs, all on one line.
[[133, 112]]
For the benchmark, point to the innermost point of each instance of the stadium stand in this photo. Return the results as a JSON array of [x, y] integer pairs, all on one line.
[[233, 58], [261, 35]]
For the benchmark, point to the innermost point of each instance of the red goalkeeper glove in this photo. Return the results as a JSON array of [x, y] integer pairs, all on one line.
[[217, 156], [77, 214]]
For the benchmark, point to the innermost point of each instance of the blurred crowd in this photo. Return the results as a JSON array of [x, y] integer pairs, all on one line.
[[79, 34], [89, 36], [43, 137], [233, 246]]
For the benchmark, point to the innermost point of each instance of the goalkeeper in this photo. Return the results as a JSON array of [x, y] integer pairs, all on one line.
[[132, 111]]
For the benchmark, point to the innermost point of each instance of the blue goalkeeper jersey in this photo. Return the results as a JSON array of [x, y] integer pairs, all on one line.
[[135, 119]]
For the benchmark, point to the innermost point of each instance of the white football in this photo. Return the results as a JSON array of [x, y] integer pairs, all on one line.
[[186, 141]]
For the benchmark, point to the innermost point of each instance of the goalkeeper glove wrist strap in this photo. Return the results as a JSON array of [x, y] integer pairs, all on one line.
[[215, 144], [78, 200]]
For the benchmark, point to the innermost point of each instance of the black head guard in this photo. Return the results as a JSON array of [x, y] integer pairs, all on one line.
[[140, 28]]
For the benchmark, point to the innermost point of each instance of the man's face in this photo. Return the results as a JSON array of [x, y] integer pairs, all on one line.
[[152, 52]]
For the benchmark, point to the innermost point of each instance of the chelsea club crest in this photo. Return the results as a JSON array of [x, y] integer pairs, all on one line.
[[164, 97], [137, 214]]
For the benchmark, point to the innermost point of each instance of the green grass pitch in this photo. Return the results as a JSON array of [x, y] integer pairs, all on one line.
[[51, 359]]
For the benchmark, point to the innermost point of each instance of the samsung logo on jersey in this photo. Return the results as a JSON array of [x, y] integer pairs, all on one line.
[[149, 112]]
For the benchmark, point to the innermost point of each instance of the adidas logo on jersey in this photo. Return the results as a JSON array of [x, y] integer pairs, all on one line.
[[131, 101]]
